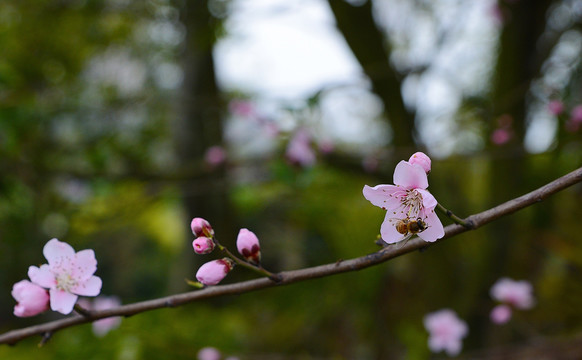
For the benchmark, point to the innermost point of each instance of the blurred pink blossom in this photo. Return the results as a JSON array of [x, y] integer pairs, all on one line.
[[500, 314], [203, 245], [299, 149], [446, 331], [500, 136], [248, 246], [407, 200], [31, 299], [67, 275], [422, 160], [241, 107], [556, 107], [215, 155], [518, 294], [326, 146], [103, 326], [212, 272], [201, 227], [209, 353], [370, 163], [576, 114]]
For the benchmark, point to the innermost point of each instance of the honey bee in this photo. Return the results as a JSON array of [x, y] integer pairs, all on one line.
[[410, 227]]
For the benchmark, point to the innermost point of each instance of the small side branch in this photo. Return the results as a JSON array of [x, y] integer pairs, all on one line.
[[465, 223]]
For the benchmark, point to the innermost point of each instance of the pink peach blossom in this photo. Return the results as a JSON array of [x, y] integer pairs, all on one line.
[[446, 331], [576, 114], [103, 326], [248, 246], [203, 245], [518, 294], [201, 227], [500, 136], [215, 155], [299, 149], [209, 353], [500, 314], [67, 275], [422, 160], [212, 272], [407, 200], [556, 107], [31, 299]]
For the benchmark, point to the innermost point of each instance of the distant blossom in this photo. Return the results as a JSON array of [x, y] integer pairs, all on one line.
[[67, 275], [103, 326], [500, 136], [209, 353], [407, 200], [510, 293], [556, 107], [215, 155], [446, 331], [299, 149]]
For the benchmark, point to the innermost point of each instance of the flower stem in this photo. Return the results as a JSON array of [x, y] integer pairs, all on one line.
[[465, 223], [246, 264]]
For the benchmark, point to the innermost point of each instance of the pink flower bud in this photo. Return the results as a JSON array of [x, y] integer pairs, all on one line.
[[201, 227], [214, 271], [422, 160], [500, 314], [248, 246], [203, 245], [32, 299]]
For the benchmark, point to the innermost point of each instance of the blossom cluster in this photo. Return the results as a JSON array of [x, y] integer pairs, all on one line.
[[212, 272], [67, 276]]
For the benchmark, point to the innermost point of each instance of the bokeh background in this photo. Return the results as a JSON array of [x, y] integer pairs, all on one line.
[[108, 109]]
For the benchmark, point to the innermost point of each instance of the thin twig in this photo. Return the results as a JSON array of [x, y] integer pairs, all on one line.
[[289, 277], [466, 223]]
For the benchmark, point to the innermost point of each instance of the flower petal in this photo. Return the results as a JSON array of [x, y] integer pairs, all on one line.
[[62, 301], [410, 176], [388, 231], [384, 196], [84, 265], [91, 287], [54, 250], [429, 202], [42, 276], [435, 228]]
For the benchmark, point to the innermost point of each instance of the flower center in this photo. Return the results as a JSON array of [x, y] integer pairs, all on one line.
[[65, 282], [412, 203]]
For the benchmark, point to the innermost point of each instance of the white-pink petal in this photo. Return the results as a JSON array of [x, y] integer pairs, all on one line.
[[428, 201], [42, 276], [410, 176], [385, 196], [54, 250], [62, 301], [84, 265], [434, 230], [388, 231], [90, 287]]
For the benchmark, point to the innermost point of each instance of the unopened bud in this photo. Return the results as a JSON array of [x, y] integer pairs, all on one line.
[[203, 245], [32, 299], [248, 246], [214, 271], [422, 160], [201, 227]]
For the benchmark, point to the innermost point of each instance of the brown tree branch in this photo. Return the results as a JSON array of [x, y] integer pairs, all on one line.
[[289, 277]]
